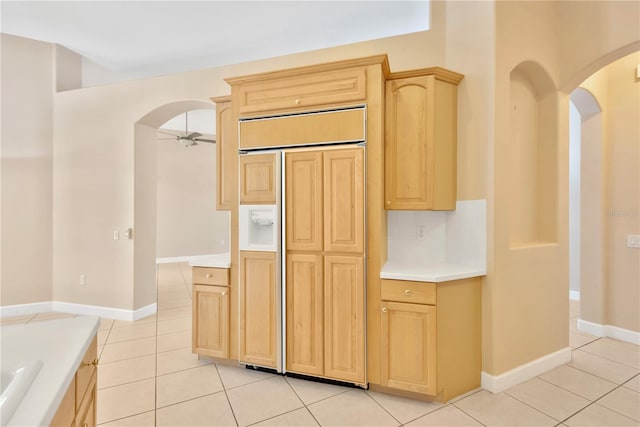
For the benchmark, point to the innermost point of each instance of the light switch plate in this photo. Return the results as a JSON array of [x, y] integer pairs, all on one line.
[[633, 240]]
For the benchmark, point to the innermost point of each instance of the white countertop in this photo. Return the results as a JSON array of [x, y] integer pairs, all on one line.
[[429, 272], [216, 261], [60, 344]]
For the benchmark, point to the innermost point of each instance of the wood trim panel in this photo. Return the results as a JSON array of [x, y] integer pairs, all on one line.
[[305, 315], [344, 212], [258, 179], [304, 201], [258, 308], [439, 73], [225, 126], [303, 129], [344, 351]]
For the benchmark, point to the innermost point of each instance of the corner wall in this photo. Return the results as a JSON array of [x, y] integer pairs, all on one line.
[[27, 169]]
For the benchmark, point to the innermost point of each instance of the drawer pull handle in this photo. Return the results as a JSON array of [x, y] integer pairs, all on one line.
[[208, 276], [408, 292], [94, 362], [384, 309]]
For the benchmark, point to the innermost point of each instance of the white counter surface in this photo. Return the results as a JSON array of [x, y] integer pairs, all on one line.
[[428, 272], [216, 261], [60, 344]]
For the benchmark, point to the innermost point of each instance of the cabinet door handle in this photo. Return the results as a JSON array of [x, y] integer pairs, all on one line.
[[388, 202], [94, 362], [297, 101], [224, 293], [208, 276], [408, 292], [384, 309]]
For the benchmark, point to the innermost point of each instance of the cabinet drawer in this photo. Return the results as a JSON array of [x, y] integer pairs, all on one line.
[[406, 291], [302, 92], [211, 276], [86, 371]]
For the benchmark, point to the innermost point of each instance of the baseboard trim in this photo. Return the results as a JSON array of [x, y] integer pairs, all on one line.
[[82, 309], [609, 331], [574, 295], [182, 258], [499, 383]]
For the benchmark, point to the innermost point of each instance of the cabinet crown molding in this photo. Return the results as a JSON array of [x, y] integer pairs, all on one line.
[[440, 74], [219, 99], [328, 66]]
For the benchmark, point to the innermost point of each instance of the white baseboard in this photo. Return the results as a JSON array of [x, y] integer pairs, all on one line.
[[82, 309], [498, 383], [182, 258], [614, 332], [574, 295]]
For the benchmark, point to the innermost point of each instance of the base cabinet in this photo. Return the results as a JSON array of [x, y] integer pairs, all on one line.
[[78, 407], [430, 340], [210, 311], [409, 347]]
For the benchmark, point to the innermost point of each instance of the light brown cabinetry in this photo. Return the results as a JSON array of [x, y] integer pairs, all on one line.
[[210, 311], [430, 337], [78, 406], [258, 179], [325, 263], [420, 139], [258, 317], [300, 90], [225, 155]]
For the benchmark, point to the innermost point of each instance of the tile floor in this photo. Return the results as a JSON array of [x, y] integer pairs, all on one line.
[[148, 377]]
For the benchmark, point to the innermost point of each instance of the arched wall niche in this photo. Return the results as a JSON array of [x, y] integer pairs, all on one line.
[[533, 156]]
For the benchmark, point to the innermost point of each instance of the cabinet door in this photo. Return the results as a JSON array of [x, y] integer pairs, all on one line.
[[303, 172], [305, 315], [210, 329], [408, 333], [344, 318], [408, 148], [224, 153], [258, 179], [344, 200], [258, 315], [66, 411]]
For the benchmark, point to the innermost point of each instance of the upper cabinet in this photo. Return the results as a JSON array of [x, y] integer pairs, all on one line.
[[224, 153], [420, 139], [299, 90]]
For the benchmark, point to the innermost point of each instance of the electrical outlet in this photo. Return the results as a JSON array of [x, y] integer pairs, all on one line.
[[420, 231], [116, 235], [633, 240], [83, 280]]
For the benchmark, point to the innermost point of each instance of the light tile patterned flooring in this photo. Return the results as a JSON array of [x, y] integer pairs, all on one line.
[[148, 377]]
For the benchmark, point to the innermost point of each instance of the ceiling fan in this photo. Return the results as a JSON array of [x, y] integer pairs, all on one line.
[[189, 138]]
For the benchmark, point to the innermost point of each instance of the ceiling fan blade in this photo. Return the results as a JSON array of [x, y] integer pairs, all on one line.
[[194, 135], [212, 141], [173, 139], [167, 133]]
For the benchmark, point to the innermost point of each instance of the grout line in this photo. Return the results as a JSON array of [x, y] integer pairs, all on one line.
[[383, 408], [188, 400], [278, 415], [304, 404], [226, 395], [324, 398], [125, 417], [466, 413], [560, 421]]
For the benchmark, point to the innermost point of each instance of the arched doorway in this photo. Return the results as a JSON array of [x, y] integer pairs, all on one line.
[[145, 197]]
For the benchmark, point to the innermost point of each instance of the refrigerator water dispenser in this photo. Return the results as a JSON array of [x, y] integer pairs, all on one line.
[[259, 228]]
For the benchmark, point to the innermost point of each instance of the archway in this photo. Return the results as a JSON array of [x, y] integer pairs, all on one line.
[[587, 177], [145, 201]]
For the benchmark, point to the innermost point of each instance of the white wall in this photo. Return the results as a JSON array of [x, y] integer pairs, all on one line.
[[26, 181], [187, 220]]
